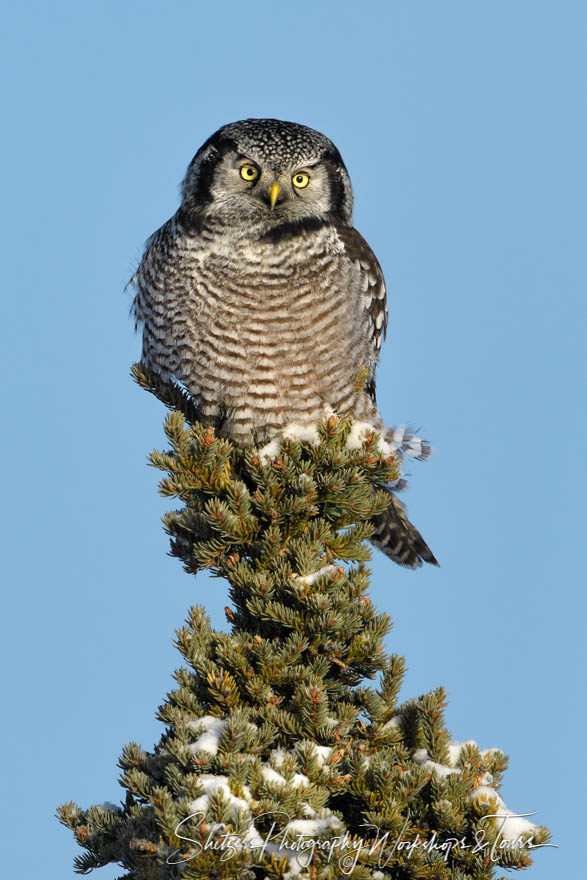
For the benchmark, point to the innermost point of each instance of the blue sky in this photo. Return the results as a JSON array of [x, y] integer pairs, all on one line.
[[463, 126]]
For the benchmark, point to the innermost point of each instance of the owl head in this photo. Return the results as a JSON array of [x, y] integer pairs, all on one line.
[[263, 175]]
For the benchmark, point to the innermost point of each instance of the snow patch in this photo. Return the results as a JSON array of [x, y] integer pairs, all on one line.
[[270, 451], [420, 756], [358, 435], [455, 748], [212, 784], [272, 776], [323, 753], [299, 779], [209, 739], [302, 433], [313, 827], [513, 828], [310, 578]]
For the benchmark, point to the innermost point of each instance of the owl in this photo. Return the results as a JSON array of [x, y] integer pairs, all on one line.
[[260, 298]]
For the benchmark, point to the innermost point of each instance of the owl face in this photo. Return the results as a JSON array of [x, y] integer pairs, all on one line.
[[261, 175]]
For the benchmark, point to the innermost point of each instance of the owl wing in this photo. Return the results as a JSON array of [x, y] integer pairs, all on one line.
[[374, 294], [145, 279], [159, 302]]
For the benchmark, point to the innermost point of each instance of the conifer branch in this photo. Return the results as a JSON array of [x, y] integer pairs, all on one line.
[[273, 728]]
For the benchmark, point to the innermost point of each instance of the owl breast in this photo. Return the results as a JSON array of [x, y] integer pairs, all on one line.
[[266, 333]]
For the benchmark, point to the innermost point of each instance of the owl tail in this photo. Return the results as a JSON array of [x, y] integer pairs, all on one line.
[[396, 536]]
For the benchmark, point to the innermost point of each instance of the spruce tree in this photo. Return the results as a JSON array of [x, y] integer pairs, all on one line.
[[278, 760]]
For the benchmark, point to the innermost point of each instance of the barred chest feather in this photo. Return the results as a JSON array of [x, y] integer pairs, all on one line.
[[265, 333]]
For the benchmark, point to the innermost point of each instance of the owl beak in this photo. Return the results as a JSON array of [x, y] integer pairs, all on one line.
[[273, 194]]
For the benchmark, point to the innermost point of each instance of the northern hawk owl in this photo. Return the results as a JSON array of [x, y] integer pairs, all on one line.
[[264, 302]]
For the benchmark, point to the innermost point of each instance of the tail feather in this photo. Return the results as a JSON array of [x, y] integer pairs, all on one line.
[[396, 536]]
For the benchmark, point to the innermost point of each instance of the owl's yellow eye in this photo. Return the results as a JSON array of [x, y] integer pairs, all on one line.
[[301, 179], [249, 172]]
